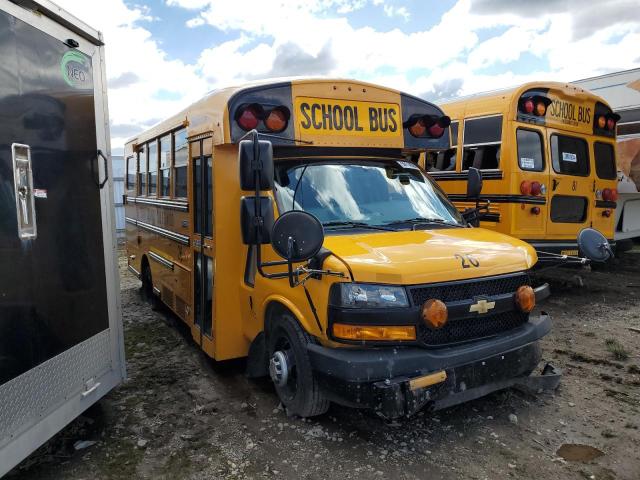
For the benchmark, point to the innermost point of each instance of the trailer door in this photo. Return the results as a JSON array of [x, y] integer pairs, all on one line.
[[55, 342]]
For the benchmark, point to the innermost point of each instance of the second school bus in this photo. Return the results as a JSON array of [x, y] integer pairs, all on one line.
[[547, 154], [386, 298]]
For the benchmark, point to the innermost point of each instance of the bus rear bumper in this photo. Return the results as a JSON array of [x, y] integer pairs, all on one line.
[[390, 380]]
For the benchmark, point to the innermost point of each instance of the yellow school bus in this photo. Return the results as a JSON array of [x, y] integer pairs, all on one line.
[[547, 156], [288, 222]]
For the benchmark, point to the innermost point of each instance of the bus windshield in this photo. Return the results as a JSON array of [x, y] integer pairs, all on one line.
[[363, 193]]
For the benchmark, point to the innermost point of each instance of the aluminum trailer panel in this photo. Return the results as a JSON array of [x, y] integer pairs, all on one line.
[[61, 339]]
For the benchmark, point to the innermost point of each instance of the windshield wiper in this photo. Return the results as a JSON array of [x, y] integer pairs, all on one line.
[[418, 220], [347, 223]]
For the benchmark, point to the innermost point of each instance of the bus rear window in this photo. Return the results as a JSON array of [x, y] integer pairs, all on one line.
[[530, 156], [605, 160], [570, 155]]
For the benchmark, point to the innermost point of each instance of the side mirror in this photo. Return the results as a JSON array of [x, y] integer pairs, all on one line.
[[248, 220], [474, 183], [297, 236], [594, 245], [256, 157]]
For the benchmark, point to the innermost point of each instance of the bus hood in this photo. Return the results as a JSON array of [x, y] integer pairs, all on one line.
[[425, 256]]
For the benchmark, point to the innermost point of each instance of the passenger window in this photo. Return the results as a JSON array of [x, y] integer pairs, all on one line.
[[142, 171], [153, 167], [530, 156], [131, 173], [570, 155], [180, 155], [482, 140], [605, 161], [165, 166], [441, 161], [454, 134]]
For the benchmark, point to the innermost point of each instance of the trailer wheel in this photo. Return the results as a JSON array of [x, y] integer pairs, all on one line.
[[290, 369]]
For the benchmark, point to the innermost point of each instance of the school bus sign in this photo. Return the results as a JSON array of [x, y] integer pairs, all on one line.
[[330, 117]]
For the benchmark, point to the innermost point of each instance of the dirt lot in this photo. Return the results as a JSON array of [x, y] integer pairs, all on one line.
[[181, 415]]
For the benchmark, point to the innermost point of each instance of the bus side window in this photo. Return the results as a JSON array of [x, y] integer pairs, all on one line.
[[530, 156], [180, 156], [165, 166], [605, 161], [482, 139], [131, 173], [441, 161], [142, 171], [152, 150]]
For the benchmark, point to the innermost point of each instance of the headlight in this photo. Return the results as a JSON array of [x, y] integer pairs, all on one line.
[[363, 295]]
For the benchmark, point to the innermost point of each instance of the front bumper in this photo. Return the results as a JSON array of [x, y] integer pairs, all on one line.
[[380, 378]]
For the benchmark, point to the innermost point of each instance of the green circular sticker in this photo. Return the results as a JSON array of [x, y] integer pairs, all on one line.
[[76, 70]]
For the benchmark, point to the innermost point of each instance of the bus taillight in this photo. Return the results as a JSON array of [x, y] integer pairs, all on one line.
[[536, 188], [610, 194]]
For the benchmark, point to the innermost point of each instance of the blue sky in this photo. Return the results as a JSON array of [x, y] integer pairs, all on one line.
[[164, 54]]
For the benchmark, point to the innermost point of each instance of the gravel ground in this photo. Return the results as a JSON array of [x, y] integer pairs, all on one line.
[[180, 415]]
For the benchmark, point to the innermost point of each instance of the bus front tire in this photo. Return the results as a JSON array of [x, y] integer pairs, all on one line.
[[290, 369]]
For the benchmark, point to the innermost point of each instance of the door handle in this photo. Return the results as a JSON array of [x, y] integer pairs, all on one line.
[[23, 187], [106, 170]]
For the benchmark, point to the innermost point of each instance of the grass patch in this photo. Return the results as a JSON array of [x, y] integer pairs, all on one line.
[[616, 349]]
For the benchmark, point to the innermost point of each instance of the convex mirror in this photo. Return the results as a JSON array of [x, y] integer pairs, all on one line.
[[297, 236]]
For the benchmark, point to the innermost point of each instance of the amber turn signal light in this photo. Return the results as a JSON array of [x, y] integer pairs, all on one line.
[[435, 313], [366, 332], [525, 298]]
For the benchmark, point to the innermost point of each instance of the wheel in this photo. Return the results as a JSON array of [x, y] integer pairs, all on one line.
[[290, 369], [147, 286]]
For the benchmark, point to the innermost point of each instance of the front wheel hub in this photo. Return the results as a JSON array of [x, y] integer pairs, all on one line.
[[279, 368]]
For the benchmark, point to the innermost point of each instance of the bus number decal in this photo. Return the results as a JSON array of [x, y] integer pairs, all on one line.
[[467, 261]]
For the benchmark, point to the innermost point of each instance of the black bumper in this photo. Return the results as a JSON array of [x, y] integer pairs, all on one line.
[[379, 378]]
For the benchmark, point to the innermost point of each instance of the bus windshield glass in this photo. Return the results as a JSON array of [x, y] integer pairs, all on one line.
[[363, 193]]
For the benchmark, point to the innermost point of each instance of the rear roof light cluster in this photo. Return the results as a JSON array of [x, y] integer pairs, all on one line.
[[607, 122], [535, 105], [273, 119], [427, 126]]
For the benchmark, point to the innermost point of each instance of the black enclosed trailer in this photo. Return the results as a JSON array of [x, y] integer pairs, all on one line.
[[61, 343]]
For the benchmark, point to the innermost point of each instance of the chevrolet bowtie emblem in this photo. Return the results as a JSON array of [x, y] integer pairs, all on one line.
[[481, 306]]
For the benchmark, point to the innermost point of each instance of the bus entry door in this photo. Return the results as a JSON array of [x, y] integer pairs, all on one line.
[[202, 239]]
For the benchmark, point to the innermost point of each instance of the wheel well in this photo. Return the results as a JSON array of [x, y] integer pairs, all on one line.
[[272, 311]]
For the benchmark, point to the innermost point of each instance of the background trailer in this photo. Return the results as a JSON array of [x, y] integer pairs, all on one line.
[[61, 343]]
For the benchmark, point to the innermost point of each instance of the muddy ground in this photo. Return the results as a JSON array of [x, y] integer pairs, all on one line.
[[180, 415]]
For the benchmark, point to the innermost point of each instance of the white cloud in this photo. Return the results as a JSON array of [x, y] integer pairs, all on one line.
[[195, 22], [471, 48], [391, 11]]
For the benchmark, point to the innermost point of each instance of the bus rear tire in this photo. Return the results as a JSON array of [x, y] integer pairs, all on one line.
[[290, 369], [147, 286]]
